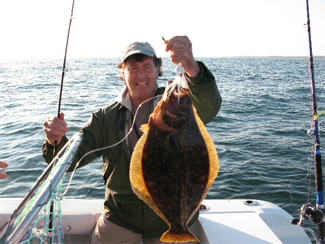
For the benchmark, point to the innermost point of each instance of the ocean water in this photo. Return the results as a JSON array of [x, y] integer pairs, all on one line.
[[260, 131]]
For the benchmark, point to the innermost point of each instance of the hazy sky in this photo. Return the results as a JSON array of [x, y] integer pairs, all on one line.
[[102, 28]]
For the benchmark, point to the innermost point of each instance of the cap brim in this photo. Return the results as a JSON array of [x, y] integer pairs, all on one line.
[[147, 53]]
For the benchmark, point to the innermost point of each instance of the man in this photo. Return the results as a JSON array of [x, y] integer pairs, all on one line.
[[126, 219]]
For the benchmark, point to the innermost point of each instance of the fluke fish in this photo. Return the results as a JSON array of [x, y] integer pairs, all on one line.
[[174, 163]]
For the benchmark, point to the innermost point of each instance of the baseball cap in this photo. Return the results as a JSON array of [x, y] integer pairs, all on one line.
[[138, 48]]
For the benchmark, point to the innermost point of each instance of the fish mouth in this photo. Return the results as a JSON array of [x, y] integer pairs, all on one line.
[[172, 115], [176, 110]]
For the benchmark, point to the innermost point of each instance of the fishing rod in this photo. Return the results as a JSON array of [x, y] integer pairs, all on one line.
[[65, 58], [60, 99], [315, 214], [47, 171]]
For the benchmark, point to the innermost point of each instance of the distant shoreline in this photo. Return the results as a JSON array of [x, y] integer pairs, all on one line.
[[271, 57]]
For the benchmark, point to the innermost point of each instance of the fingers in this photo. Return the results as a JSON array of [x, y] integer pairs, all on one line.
[[61, 116], [180, 48], [3, 164], [3, 175], [55, 129], [178, 45]]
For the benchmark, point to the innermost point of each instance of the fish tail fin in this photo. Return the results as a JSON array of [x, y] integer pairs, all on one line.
[[187, 236]]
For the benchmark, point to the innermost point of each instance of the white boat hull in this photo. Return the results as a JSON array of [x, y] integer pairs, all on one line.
[[221, 221]]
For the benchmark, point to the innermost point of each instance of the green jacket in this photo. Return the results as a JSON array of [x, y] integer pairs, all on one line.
[[107, 127]]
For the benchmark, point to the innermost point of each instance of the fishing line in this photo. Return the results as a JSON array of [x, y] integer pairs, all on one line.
[[296, 181], [32, 192], [110, 146], [179, 69], [309, 174], [308, 177], [177, 81]]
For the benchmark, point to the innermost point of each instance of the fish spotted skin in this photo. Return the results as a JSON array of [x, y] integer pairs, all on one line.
[[174, 164]]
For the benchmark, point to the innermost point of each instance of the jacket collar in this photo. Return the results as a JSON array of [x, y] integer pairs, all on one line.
[[124, 99]]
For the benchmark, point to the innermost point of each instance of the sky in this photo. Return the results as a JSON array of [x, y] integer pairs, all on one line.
[[37, 29]]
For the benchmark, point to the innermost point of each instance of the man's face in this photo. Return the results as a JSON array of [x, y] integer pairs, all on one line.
[[141, 79]]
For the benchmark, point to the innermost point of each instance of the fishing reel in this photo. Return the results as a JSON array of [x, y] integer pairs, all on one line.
[[309, 212]]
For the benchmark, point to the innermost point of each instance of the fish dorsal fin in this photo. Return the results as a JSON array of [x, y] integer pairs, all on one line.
[[213, 157], [212, 151], [144, 128], [136, 177]]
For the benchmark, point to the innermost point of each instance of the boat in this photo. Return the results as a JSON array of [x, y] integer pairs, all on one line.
[[250, 221], [220, 221]]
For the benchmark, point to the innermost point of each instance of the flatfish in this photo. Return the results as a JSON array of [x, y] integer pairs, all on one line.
[[174, 163]]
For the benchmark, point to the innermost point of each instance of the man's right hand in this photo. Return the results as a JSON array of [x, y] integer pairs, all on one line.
[[55, 128]]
